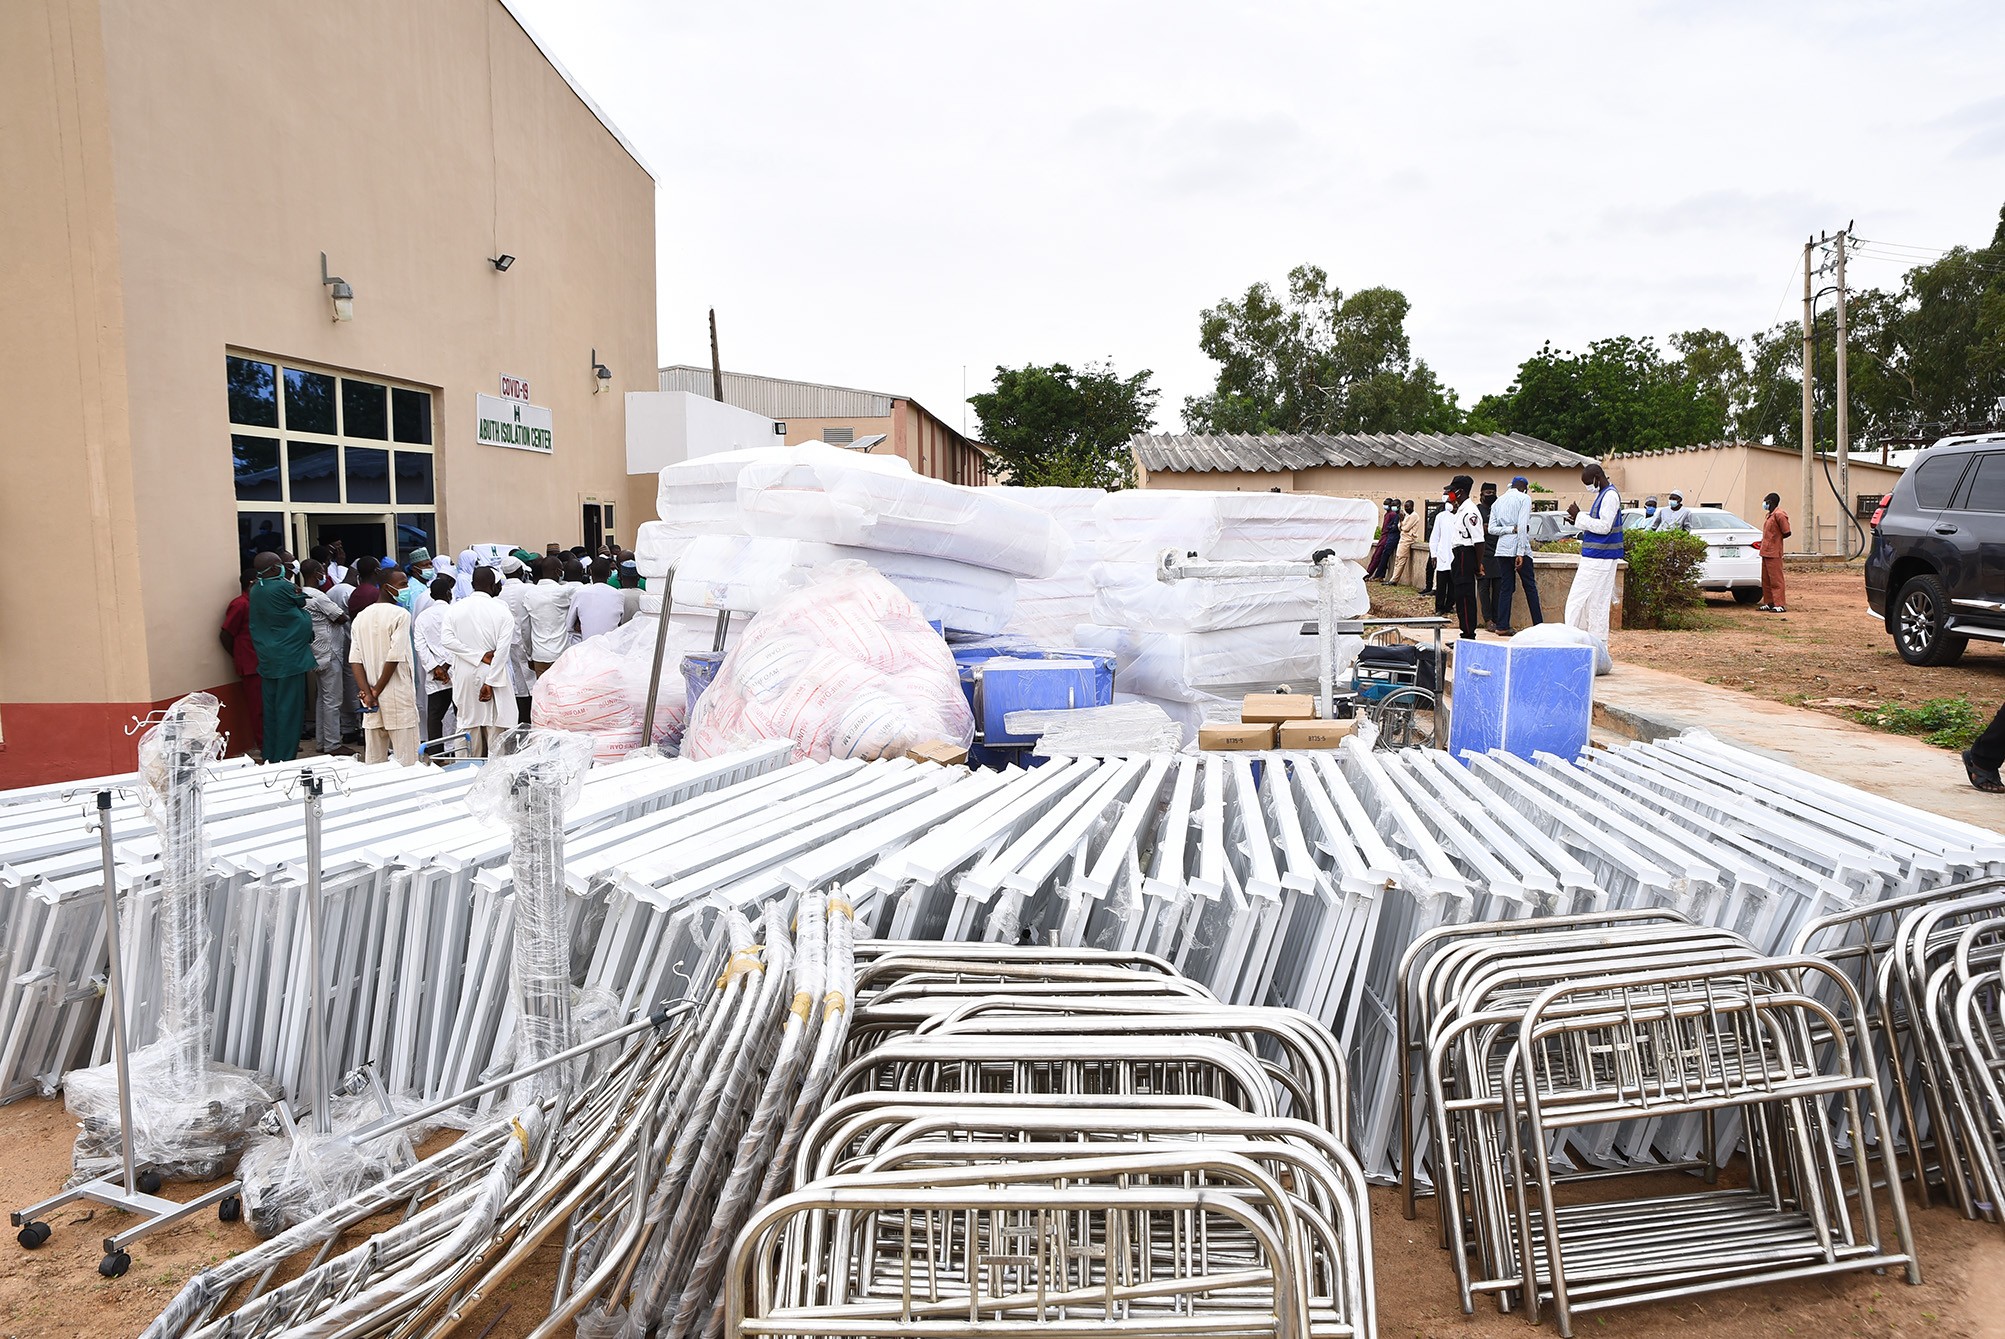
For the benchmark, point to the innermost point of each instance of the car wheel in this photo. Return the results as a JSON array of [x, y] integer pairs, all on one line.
[[1918, 632], [1746, 594]]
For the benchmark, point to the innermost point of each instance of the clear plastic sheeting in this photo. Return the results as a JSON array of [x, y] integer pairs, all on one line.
[[745, 573], [1522, 699], [1128, 595], [1137, 524], [1193, 666], [845, 667], [599, 687], [528, 788], [1565, 634], [189, 1118], [292, 1175], [1099, 732]]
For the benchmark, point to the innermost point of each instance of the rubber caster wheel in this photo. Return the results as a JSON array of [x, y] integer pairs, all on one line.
[[150, 1183], [33, 1235], [230, 1210], [115, 1264]]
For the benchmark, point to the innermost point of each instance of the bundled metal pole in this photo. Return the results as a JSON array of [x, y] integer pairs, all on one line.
[[316, 1036], [529, 788]]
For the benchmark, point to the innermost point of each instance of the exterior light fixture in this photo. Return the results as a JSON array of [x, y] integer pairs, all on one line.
[[338, 289], [501, 262], [602, 372]]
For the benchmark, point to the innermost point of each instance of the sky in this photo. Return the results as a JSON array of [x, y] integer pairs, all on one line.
[[901, 197]]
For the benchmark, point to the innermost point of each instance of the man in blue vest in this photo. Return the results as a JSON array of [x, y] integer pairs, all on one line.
[[1600, 549]]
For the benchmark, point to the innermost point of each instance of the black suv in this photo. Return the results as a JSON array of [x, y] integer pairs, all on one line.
[[1935, 571]]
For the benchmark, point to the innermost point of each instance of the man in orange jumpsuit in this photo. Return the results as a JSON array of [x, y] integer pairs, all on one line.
[[1774, 529]]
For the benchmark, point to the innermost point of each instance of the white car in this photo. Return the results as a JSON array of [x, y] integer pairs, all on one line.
[[1733, 558]]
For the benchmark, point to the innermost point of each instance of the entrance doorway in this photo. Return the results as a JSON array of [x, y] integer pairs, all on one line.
[[599, 525], [359, 535]]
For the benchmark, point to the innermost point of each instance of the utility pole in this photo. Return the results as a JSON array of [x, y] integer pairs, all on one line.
[[1809, 517], [1844, 429], [716, 367]]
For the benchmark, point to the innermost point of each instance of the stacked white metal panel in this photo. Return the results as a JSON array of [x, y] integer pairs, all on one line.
[[1291, 879]]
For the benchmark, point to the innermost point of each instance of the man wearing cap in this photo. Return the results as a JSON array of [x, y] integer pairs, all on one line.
[[1511, 524], [379, 656], [1676, 516], [514, 594], [1600, 550], [1467, 546]]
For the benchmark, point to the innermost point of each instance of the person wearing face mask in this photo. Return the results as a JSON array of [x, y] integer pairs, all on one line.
[[330, 657], [1774, 529], [417, 596], [1675, 516], [282, 632], [1440, 554], [379, 657], [1600, 549]]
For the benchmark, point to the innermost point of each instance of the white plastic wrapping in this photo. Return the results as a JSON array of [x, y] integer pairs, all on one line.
[[749, 572], [288, 1178], [189, 1118], [1565, 634], [1190, 666], [1129, 595], [849, 499], [599, 686], [528, 788], [1136, 525], [659, 545], [844, 667], [1098, 732]]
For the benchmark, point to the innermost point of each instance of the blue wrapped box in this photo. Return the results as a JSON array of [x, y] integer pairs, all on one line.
[[1521, 699]]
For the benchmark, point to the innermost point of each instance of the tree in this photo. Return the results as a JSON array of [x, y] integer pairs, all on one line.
[[1052, 426], [1622, 394], [1316, 361]]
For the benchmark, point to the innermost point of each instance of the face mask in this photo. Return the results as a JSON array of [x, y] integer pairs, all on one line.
[[407, 596]]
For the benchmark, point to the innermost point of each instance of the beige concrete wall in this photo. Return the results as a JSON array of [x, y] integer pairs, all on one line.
[[1738, 478], [74, 627], [246, 139]]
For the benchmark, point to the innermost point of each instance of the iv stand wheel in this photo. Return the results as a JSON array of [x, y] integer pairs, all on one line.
[[114, 1264], [230, 1209], [32, 1235]]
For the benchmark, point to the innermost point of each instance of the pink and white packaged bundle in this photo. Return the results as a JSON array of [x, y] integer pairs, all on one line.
[[599, 686], [845, 667]]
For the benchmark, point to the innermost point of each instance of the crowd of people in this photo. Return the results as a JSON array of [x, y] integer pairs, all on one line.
[[342, 653], [1480, 554]]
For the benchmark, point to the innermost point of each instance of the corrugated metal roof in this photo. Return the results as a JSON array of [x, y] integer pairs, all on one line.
[[778, 398], [1432, 450]]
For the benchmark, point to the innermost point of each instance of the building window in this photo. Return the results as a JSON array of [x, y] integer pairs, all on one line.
[[1865, 504], [312, 461], [838, 436]]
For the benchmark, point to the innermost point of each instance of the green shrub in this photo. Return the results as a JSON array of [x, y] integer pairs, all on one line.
[[1946, 722], [1662, 588]]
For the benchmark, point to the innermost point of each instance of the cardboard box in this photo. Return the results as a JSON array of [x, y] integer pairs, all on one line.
[[1315, 734], [1266, 708], [1224, 736], [939, 751]]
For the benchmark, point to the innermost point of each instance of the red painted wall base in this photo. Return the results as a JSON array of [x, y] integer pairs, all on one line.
[[62, 741]]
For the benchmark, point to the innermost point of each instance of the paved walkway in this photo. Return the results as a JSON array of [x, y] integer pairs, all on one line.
[[1642, 703]]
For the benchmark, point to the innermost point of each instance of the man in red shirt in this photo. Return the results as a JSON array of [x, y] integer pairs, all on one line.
[[367, 592], [236, 639], [1774, 529]]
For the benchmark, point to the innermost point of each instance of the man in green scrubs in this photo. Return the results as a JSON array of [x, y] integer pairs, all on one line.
[[282, 632]]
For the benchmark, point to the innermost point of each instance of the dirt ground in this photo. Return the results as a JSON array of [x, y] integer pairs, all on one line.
[[1828, 653], [55, 1292]]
